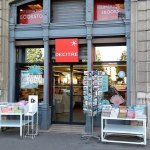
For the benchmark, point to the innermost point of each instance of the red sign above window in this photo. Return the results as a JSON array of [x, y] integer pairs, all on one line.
[[66, 50], [31, 13], [108, 9]]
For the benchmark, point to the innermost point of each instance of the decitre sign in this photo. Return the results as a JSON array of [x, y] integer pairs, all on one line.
[[66, 50]]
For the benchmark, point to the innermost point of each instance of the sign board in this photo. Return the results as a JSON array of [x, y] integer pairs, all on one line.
[[31, 13], [108, 9], [66, 50], [33, 103], [105, 83], [25, 79], [29, 81], [32, 77]]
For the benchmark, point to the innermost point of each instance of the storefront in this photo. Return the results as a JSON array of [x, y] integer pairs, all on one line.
[[42, 63]]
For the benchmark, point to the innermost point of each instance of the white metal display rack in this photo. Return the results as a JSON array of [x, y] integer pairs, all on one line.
[[120, 129], [31, 117]]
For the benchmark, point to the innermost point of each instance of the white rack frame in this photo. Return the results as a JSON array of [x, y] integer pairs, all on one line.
[[109, 129]]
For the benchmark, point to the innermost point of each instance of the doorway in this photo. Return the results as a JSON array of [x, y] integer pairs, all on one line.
[[68, 93]]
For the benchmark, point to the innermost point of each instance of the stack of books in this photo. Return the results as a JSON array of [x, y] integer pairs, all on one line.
[[122, 112], [106, 109], [139, 111], [130, 112], [114, 112]]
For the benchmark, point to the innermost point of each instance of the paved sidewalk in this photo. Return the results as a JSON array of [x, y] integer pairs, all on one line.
[[10, 140]]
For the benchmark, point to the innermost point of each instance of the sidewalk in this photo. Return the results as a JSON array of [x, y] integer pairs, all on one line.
[[10, 140]]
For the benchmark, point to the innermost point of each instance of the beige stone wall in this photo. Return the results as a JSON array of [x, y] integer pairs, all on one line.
[[4, 48], [140, 45], [140, 49]]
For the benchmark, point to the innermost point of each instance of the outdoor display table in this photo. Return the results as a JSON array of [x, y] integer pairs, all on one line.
[[138, 130], [5, 122], [13, 115]]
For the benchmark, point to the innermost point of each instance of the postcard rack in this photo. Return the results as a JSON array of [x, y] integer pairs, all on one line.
[[92, 91]]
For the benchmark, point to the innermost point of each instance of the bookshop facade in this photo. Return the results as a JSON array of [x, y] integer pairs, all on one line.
[[52, 43]]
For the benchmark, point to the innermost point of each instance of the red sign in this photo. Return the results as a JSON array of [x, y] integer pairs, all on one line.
[[66, 50], [108, 9], [31, 13]]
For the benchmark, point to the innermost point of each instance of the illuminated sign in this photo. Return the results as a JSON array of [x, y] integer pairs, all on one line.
[[66, 50], [108, 9], [31, 13]]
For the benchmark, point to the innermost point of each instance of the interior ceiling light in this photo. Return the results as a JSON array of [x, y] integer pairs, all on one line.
[[36, 6]]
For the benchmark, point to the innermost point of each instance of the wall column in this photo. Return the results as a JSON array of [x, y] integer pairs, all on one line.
[[12, 55], [45, 108], [89, 24]]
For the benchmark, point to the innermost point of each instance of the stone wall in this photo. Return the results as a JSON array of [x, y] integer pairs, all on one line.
[[4, 48], [140, 45], [140, 49]]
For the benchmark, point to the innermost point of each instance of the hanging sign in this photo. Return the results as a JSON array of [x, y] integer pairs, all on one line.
[[33, 103], [108, 9], [66, 50]]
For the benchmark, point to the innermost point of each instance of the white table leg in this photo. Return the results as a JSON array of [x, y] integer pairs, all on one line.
[[21, 125]]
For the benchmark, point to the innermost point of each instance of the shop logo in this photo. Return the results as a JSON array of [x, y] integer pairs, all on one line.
[[66, 50], [35, 70]]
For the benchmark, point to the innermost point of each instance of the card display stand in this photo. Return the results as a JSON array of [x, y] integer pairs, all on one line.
[[92, 91]]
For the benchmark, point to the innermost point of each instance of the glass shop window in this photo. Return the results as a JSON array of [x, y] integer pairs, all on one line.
[[30, 13], [31, 81], [34, 55], [108, 10]]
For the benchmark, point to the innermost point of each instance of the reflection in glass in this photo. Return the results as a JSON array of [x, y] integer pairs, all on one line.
[[78, 71], [112, 60], [31, 82], [61, 93], [111, 53], [68, 94]]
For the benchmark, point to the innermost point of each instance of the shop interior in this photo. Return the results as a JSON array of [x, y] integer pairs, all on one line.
[[68, 83]]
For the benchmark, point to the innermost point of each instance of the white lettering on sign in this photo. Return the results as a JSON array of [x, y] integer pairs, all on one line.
[[105, 12], [36, 79], [108, 9], [31, 16], [67, 54]]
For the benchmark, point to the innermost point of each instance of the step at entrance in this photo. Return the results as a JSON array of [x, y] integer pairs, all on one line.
[[63, 128]]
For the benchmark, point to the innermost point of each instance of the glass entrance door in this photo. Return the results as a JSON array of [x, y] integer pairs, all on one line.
[[67, 94], [77, 107], [61, 93]]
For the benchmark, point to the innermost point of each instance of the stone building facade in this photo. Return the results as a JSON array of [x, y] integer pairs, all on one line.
[[139, 50], [140, 45], [4, 49]]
